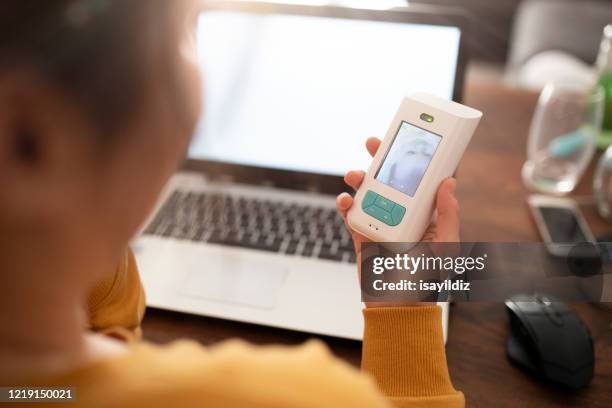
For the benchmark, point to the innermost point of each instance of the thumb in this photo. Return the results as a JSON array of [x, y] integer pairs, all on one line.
[[448, 212]]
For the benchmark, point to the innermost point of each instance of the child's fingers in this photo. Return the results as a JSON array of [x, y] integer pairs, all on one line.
[[343, 203], [372, 144], [448, 212], [354, 178]]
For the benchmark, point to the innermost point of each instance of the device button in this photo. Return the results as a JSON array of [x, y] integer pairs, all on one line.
[[383, 203], [368, 199], [397, 214], [379, 214]]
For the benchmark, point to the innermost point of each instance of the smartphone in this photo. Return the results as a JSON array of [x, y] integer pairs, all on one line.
[[560, 223]]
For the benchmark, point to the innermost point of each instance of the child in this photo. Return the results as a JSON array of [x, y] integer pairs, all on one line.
[[98, 101]]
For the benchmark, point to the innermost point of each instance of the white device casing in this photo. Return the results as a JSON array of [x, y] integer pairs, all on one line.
[[455, 123]]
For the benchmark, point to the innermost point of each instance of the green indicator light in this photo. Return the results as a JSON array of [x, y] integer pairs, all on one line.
[[427, 118]]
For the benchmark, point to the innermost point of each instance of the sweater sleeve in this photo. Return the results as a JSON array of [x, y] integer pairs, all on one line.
[[403, 354], [116, 304], [403, 349]]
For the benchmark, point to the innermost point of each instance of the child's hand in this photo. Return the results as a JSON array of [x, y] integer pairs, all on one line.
[[443, 228]]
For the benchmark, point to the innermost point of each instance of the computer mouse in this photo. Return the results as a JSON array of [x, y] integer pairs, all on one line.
[[550, 341]]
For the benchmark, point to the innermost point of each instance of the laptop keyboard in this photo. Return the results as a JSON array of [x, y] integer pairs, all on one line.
[[264, 225]]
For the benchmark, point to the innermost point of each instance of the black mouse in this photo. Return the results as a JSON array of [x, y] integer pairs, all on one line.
[[549, 340]]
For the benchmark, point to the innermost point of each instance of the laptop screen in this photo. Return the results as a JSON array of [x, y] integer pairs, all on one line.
[[302, 93]]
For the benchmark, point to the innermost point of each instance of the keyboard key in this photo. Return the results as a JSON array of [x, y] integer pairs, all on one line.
[[326, 253], [347, 247], [308, 249], [291, 248]]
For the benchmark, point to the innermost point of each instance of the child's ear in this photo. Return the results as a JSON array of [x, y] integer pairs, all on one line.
[[43, 142]]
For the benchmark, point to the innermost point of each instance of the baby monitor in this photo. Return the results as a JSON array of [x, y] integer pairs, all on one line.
[[422, 147]]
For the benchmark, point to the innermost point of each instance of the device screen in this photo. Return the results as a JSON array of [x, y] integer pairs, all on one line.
[[408, 157], [562, 225]]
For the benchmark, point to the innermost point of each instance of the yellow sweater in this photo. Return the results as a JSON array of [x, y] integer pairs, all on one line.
[[403, 363]]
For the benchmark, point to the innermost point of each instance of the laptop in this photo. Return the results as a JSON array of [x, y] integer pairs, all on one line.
[[247, 230]]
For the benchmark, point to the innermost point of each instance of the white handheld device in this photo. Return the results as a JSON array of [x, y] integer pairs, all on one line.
[[422, 147]]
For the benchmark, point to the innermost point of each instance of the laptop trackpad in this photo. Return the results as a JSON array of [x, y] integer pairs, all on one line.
[[235, 280]]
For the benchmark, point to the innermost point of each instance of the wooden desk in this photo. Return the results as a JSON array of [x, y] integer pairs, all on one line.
[[493, 208]]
